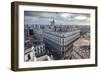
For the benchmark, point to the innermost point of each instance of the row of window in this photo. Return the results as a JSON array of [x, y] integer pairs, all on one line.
[[53, 38], [39, 50], [59, 40], [71, 38]]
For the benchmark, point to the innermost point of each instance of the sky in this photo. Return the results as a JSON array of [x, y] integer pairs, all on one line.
[[61, 18]]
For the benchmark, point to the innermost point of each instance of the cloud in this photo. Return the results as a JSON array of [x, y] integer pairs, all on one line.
[[44, 18]]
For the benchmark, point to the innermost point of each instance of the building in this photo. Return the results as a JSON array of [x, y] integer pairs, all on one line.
[[29, 52], [34, 46], [35, 52], [58, 39], [59, 44], [81, 49], [26, 32], [39, 49]]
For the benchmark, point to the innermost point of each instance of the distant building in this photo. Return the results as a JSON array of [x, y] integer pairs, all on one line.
[[26, 32], [52, 23]]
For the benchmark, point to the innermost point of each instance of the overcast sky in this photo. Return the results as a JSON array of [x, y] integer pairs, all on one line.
[[44, 18]]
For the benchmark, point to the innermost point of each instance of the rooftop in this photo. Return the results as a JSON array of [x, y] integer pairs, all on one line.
[[27, 45], [82, 42]]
